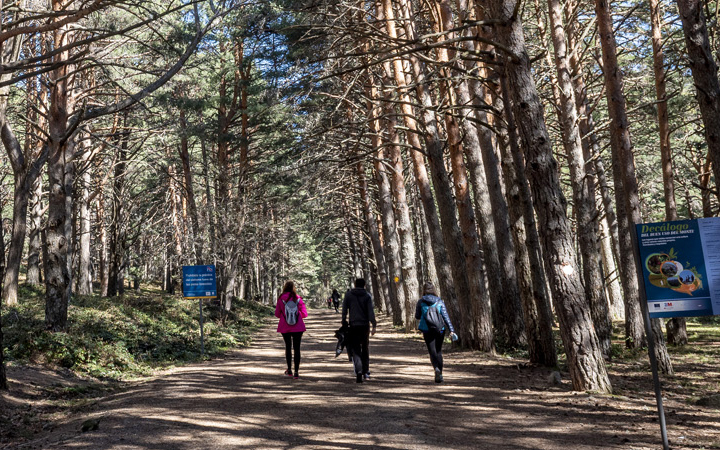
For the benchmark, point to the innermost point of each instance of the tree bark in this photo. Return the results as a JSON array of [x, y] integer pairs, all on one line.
[[623, 149], [26, 169], [392, 245], [3, 376], [189, 190], [676, 328], [34, 247], [454, 263], [490, 204], [57, 278], [404, 226], [583, 192], [585, 362], [116, 255], [371, 224], [535, 301], [705, 75]]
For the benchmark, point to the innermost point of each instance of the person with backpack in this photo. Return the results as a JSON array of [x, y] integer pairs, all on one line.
[[335, 299], [291, 311], [358, 304], [434, 319]]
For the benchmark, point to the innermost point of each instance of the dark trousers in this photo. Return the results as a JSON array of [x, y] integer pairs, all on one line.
[[295, 339], [360, 345], [336, 304], [434, 342]]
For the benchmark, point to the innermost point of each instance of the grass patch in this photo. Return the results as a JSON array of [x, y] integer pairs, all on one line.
[[123, 337]]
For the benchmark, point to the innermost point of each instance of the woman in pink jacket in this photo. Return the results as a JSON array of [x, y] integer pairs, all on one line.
[[291, 310]]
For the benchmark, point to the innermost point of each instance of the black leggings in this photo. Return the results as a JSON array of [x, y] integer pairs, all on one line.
[[434, 342], [295, 338]]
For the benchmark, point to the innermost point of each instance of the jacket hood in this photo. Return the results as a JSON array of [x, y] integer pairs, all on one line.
[[285, 296], [430, 299]]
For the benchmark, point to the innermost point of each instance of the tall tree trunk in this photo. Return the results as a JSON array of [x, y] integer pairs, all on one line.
[[676, 327], [583, 192], [189, 190], [705, 75], [25, 170], [84, 269], [489, 201], [69, 180], [634, 329], [17, 240], [25, 173], [404, 226], [623, 149], [590, 143], [612, 279], [535, 301], [116, 255], [429, 271], [3, 376], [451, 254], [585, 362], [353, 248], [392, 245], [371, 225], [57, 278], [481, 309], [100, 213], [34, 248]]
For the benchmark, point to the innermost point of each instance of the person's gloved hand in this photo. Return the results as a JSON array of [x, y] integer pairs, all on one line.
[[454, 337]]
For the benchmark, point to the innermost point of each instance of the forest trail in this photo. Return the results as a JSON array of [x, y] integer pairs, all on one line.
[[244, 401]]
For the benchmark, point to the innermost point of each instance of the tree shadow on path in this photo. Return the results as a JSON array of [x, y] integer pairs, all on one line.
[[245, 401]]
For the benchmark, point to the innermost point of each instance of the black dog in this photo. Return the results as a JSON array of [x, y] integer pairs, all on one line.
[[343, 337]]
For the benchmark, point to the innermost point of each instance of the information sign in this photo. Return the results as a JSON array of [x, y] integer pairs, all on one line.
[[681, 267], [199, 282]]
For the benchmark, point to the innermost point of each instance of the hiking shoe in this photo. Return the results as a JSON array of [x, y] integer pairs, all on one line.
[[359, 378], [438, 376], [288, 373], [296, 376], [366, 376]]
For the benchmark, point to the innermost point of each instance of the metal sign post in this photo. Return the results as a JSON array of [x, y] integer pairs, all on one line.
[[200, 282], [678, 266], [651, 343], [202, 331]]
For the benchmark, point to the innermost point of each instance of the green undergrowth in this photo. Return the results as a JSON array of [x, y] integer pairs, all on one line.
[[123, 337]]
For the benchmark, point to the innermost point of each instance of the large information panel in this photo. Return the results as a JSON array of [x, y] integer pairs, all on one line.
[[681, 267], [199, 282]]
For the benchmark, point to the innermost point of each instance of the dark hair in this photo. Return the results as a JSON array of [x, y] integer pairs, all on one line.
[[290, 287], [429, 289], [360, 283], [335, 291]]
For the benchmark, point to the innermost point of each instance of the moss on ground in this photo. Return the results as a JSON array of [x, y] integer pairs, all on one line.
[[123, 337]]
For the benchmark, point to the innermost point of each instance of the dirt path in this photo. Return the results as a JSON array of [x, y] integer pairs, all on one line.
[[244, 401]]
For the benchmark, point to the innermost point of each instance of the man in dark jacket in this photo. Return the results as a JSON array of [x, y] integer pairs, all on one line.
[[358, 302]]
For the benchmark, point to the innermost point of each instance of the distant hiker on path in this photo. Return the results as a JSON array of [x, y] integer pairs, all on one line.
[[335, 299], [433, 317], [358, 302], [291, 311]]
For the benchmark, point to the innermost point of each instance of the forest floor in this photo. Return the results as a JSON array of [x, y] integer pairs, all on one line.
[[486, 402]]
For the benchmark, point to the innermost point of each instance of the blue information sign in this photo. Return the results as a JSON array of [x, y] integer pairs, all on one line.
[[199, 282], [681, 267]]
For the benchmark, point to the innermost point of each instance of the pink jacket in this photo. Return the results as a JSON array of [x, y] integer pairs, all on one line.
[[283, 327]]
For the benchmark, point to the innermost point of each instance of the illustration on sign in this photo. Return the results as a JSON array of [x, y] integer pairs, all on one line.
[[681, 267], [667, 272], [199, 282]]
